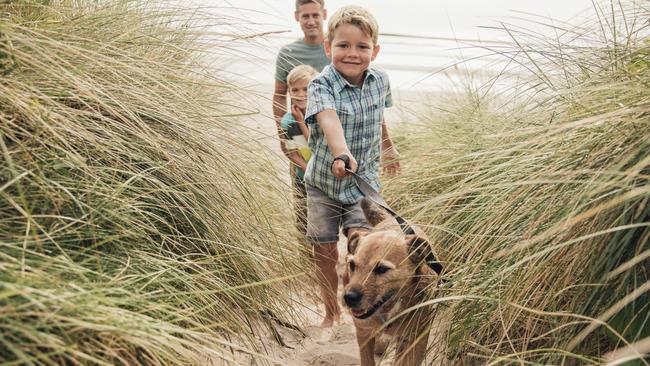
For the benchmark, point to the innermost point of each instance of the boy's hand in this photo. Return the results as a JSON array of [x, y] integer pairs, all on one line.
[[390, 162], [338, 166], [391, 169], [297, 113]]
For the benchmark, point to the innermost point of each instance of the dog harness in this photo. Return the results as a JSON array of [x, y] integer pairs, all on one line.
[[375, 197]]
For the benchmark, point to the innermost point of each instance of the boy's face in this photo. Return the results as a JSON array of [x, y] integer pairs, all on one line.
[[351, 52], [298, 93], [311, 17]]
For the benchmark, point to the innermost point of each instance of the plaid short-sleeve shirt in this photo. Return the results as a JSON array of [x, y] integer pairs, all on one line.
[[361, 111]]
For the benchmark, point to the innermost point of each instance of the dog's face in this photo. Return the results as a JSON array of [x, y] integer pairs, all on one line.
[[380, 267]]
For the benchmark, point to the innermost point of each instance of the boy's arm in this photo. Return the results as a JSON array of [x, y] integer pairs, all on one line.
[[304, 129], [389, 155], [331, 125], [297, 159], [283, 145]]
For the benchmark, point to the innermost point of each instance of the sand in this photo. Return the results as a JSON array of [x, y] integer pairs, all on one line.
[[336, 346]]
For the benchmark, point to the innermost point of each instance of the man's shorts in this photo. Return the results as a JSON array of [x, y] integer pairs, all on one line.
[[325, 216]]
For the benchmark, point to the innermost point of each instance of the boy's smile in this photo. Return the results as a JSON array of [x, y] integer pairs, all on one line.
[[351, 52]]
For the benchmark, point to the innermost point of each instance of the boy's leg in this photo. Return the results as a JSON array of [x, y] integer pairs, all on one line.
[[354, 220], [326, 257], [323, 216]]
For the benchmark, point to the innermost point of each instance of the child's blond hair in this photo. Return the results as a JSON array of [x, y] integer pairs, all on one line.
[[356, 16], [301, 72]]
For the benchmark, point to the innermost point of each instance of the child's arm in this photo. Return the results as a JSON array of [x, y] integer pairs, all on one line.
[[291, 153], [389, 154], [331, 125], [297, 159], [299, 116]]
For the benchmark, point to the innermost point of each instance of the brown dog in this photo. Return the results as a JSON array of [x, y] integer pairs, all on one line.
[[386, 275]]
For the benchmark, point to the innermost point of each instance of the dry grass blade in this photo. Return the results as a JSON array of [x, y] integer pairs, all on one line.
[[137, 224], [537, 197]]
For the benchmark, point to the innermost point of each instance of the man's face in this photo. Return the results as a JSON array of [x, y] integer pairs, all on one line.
[[311, 17], [351, 52]]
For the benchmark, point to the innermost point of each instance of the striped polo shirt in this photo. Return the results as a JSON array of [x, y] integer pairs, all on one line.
[[361, 112]]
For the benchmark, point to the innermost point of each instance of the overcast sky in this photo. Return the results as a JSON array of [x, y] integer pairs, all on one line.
[[425, 17], [408, 60]]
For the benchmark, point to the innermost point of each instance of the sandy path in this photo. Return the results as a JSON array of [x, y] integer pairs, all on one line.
[[336, 346]]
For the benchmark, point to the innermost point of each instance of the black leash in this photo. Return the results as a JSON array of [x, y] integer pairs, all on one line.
[[370, 193]]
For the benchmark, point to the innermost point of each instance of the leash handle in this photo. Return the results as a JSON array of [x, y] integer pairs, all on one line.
[[345, 158]]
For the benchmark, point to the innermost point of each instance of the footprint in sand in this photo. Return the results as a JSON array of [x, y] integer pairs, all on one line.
[[334, 359], [343, 335]]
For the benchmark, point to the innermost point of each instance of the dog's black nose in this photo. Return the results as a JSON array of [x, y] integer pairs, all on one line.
[[352, 298]]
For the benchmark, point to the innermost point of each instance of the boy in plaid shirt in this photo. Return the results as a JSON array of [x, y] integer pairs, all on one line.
[[345, 115]]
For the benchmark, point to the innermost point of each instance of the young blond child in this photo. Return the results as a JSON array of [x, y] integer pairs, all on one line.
[[345, 113], [296, 133]]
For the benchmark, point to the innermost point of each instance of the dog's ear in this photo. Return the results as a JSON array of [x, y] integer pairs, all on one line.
[[419, 249], [374, 214], [353, 241]]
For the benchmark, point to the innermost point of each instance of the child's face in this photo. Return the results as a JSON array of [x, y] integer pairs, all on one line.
[[351, 52], [298, 93]]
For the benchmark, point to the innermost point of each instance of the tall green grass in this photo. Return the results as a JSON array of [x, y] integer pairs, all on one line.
[[536, 198], [137, 224]]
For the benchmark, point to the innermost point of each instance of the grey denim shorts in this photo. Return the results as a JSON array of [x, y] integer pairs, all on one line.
[[325, 216]]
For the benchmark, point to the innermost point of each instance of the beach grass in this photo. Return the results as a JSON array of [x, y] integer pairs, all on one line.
[[536, 198], [138, 224]]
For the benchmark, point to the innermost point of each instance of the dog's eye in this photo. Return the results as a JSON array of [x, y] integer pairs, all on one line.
[[352, 266], [379, 270]]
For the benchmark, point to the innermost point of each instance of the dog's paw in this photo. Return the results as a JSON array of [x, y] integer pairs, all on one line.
[[381, 344]]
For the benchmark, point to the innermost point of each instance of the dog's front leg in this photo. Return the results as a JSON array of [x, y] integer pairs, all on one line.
[[409, 353], [412, 344], [366, 342]]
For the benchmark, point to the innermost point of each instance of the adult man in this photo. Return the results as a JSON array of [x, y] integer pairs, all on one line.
[[309, 50]]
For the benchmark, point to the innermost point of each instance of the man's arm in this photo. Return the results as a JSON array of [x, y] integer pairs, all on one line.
[[331, 125], [279, 102], [389, 155], [279, 110]]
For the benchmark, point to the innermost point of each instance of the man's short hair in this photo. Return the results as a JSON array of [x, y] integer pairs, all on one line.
[[299, 3], [301, 72], [356, 16]]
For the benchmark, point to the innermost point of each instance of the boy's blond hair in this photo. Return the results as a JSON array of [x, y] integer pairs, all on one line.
[[301, 72], [356, 16], [300, 3]]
